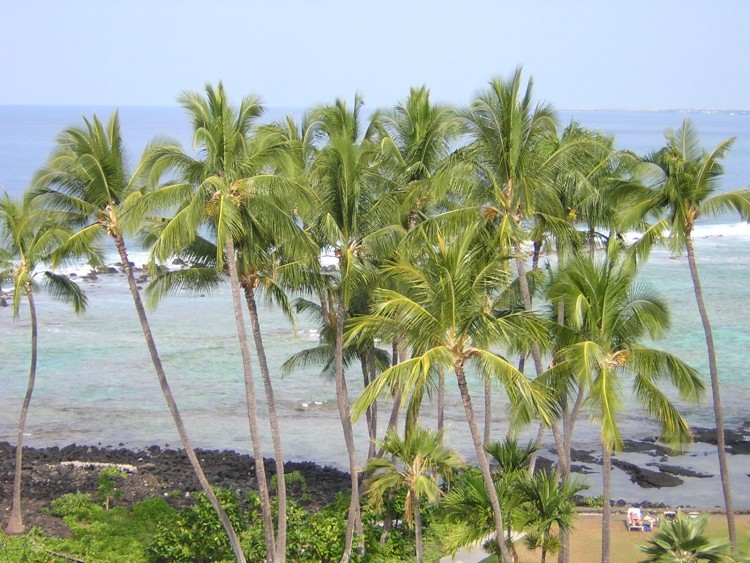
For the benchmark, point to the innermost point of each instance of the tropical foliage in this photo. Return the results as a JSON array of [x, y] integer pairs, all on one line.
[[437, 218], [684, 540]]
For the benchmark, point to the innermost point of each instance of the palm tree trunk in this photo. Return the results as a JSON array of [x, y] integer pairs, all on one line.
[[569, 417], [526, 297], [484, 464], [487, 410], [718, 412], [273, 417], [370, 413], [538, 445], [396, 407], [535, 353], [172, 404], [606, 480], [527, 307], [418, 527], [441, 399], [354, 518], [15, 520], [252, 406], [373, 408], [569, 420]]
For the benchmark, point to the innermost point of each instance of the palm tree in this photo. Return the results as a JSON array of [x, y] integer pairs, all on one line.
[[533, 502], [422, 461], [29, 237], [262, 271], [419, 136], [683, 540], [232, 189], [447, 321], [547, 504], [513, 464], [510, 148], [87, 176], [687, 178], [607, 317], [351, 215]]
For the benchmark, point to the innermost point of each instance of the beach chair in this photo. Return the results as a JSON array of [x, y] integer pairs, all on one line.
[[635, 519]]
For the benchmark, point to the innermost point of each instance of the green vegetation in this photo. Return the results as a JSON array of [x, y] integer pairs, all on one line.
[[684, 539], [429, 210], [106, 485]]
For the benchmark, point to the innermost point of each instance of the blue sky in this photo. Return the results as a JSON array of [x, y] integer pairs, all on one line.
[[634, 54]]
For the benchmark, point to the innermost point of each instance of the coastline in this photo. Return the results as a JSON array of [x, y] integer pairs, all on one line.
[[93, 391], [50, 472]]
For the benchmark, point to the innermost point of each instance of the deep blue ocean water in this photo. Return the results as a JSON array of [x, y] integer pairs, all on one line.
[[96, 384]]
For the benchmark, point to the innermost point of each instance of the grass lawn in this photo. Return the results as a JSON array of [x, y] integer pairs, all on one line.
[[586, 543]]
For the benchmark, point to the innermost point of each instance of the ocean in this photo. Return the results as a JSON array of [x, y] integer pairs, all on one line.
[[96, 385]]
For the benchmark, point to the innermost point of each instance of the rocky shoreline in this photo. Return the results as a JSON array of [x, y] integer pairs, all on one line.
[[53, 471]]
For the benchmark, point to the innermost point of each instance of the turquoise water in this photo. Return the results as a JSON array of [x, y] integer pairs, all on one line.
[[96, 383]]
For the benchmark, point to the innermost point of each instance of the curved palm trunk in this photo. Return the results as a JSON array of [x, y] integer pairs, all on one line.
[[172, 404], [606, 480], [274, 421], [354, 518], [715, 392], [484, 464], [252, 406], [15, 520], [418, 527]]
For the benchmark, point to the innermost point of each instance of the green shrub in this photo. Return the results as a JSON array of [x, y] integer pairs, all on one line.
[[117, 535], [296, 486], [196, 533], [106, 485], [593, 502], [76, 505]]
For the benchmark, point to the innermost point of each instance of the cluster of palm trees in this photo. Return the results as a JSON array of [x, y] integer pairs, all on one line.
[[432, 213]]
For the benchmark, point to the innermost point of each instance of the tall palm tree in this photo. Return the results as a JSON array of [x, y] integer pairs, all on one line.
[[607, 318], [420, 462], [29, 237], [232, 189], [87, 176], [419, 136], [447, 321], [509, 145], [686, 181], [263, 271], [351, 215]]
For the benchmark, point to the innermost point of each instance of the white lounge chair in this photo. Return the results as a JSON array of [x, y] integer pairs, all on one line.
[[635, 519]]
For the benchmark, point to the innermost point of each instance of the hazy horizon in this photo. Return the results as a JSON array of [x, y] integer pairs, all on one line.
[[582, 54]]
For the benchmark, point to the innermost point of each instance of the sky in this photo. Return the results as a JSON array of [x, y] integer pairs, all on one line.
[[624, 54]]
